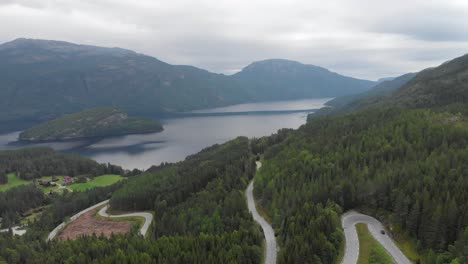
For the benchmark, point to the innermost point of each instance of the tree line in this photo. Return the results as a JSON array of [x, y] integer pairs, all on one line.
[[19, 200], [31, 163]]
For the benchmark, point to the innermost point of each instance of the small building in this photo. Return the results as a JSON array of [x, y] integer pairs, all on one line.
[[44, 183], [67, 180]]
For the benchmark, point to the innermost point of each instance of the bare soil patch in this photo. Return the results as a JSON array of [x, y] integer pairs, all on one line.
[[88, 224]]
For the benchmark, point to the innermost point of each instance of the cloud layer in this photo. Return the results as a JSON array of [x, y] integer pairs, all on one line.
[[361, 38]]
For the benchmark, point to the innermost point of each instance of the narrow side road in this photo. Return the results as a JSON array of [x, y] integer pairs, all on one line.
[[73, 218], [349, 221], [269, 233], [143, 230]]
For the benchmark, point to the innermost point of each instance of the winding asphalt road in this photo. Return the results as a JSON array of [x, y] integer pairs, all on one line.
[[143, 230], [271, 249], [349, 221], [148, 218]]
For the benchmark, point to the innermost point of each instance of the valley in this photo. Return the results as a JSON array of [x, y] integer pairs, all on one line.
[[108, 155]]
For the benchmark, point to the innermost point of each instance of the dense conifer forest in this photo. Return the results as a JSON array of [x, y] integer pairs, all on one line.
[[31, 163], [408, 162]]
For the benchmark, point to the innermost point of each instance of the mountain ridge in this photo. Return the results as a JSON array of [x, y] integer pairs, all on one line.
[[44, 79]]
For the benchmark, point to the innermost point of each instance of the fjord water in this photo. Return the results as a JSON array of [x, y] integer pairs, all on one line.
[[183, 136]]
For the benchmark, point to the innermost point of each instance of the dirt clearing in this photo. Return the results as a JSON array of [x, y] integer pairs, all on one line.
[[88, 224]]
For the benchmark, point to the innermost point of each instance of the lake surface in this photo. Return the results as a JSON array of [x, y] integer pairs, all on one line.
[[183, 136]]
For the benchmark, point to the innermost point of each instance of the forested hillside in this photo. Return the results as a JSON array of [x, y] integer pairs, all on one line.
[[445, 86], [200, 216], [436, 87], [33, 163], [349, 103], [201, 197], [95, 122], [17, 201], [408, 162]]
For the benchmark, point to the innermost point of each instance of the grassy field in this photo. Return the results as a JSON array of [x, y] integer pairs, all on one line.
[[371, 251], [13, 181], [99, 181]]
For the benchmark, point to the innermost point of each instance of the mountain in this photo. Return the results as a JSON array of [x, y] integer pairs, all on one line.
[[96, 122], [283, 79], [381, 80], [42, 79], [440, 86], [45, 79], [353, 102]]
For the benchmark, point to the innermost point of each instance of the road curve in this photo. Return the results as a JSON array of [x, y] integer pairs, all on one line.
[[349, 221], [271, 249], [73, 218], [148, 218], [143, 230]]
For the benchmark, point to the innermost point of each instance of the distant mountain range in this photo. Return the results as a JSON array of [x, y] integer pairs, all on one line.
[[278, 79], [442, 86], [42, 79], [436, 87], [377, 93]]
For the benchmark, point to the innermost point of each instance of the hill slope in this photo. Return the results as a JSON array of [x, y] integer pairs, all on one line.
[[43, 79], [443, 85], [96, 122], [353, 102], [402, 158], [283, 79]]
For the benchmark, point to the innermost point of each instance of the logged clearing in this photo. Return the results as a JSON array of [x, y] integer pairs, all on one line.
[[88, 224]]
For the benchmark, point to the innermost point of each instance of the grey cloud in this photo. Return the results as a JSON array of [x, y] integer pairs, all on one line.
[[437, 22], [361, 38]]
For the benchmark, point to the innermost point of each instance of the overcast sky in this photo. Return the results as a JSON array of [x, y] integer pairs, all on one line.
[[361, 38]]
